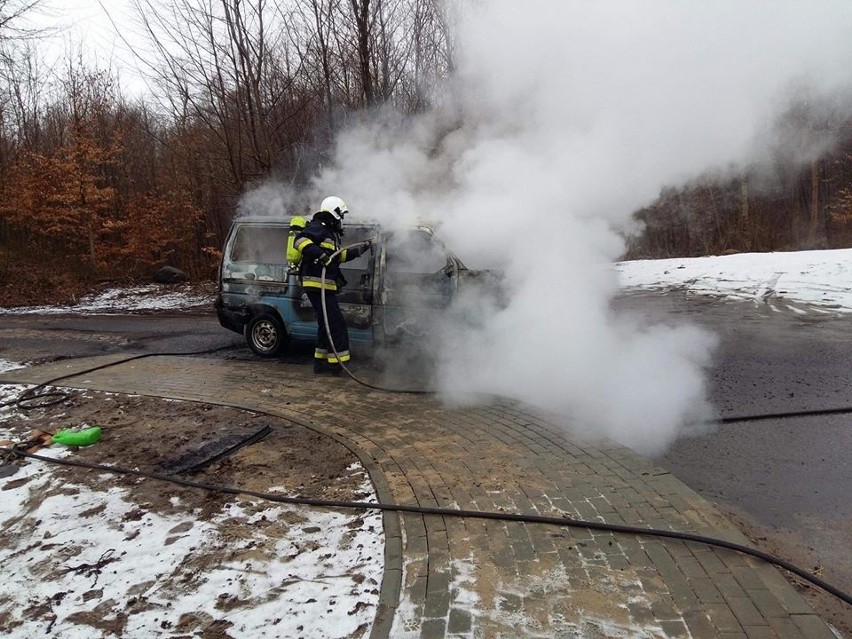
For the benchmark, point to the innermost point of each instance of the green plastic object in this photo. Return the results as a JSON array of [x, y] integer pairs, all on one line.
[[72, 437]]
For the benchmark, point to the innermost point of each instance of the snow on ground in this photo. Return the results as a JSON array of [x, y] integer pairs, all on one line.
[[79, 562], [818, 279], [297, 593], [821, 280], [134, 299], [6, 365], [292, 571]]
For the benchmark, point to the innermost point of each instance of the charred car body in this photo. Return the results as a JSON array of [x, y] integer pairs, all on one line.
[[397, 290]]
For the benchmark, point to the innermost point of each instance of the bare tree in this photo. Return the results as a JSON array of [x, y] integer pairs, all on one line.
[[318, 19], [11, 14], [434, 46], [22, 97], [216, 62], [20, 78], [371, 52], [364, 20]]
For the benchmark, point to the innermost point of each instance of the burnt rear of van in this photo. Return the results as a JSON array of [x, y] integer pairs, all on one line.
[[254, 271]]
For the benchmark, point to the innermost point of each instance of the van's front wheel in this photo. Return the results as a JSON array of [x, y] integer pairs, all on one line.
[[265, 335]]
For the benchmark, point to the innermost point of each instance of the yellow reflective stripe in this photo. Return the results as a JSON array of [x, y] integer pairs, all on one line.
[[320, 353], [343, 255], [300, 244], [328, 245], [316, 282], [342, 356]]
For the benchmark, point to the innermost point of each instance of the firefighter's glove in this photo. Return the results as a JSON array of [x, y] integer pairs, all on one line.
[[368, 245]]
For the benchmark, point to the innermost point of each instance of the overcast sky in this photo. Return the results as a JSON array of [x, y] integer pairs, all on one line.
[[76, 24]]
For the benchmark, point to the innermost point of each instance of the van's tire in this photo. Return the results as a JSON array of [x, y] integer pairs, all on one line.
[[265, 335]]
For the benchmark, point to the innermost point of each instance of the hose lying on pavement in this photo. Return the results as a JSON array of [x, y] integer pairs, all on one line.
[[24, 399], [843, 410], [449, 512], [31, 399]]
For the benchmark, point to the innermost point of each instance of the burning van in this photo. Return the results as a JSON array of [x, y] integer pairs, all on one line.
[[397, 290]]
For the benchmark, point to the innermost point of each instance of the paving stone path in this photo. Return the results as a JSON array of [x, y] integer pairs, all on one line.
[[466, 578]]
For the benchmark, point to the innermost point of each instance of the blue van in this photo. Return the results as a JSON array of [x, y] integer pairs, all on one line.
[[392, 292]]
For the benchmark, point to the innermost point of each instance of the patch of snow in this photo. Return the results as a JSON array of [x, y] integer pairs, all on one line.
[[588, 600], [818, 279], [135, 299], [575, 592], [320, 580], [8, 392], [260, 569], [8, 365]]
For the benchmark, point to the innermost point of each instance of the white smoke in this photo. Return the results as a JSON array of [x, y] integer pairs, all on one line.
[[272, 199], [562, 120]]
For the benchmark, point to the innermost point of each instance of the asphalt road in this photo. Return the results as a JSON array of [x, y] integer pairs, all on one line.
[[37, 338], [790, 478], [769, 362]]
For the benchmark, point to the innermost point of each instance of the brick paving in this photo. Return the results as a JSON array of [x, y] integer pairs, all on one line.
[[466, 578]]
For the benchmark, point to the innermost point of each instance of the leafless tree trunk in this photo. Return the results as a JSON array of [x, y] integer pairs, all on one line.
[[745, 213], [815, 205], [320, 26], [433, 47], [363, 36]]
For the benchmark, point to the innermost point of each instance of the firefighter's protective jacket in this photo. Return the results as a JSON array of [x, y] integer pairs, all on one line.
[[315, 241]]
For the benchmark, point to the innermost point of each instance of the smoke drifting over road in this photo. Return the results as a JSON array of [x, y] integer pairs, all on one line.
[[562, 120]]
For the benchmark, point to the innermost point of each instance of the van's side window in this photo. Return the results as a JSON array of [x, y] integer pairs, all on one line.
[[261, 245], [416, 252]]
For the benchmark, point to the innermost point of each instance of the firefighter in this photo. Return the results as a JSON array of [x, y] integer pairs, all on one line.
[[316, 243]]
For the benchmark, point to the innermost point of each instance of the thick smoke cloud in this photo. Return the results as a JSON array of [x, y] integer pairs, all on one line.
[[562, 119]]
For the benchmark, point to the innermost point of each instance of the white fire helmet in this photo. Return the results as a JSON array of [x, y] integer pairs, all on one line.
[[334, 205]]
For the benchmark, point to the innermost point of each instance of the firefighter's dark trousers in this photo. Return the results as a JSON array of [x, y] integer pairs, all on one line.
[[324, 353]]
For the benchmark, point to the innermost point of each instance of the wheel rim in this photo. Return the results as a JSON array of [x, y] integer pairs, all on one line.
[[264, 335]]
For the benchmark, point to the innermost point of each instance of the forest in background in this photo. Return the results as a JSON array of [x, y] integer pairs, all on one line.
[[797, 196], [96, 185]]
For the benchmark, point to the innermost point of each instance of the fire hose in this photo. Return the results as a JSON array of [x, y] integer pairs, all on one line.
[[843, 596], [563, 521], [31, 395]]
